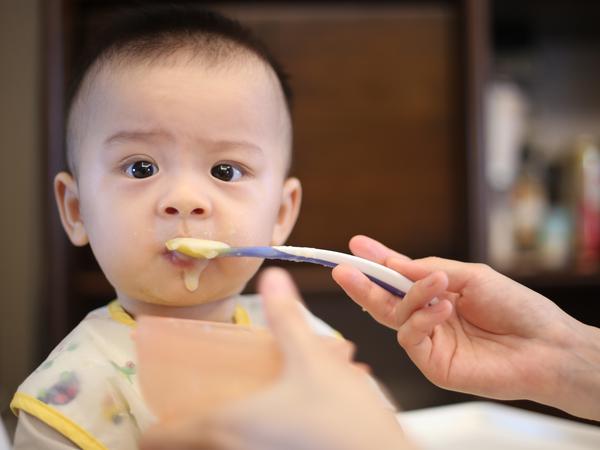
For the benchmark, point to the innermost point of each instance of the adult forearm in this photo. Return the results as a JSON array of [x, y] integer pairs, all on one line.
[[579, 370]]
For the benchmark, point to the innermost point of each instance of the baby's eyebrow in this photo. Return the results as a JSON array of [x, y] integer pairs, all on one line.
[[138, 135], [225, 144], [159, 134]]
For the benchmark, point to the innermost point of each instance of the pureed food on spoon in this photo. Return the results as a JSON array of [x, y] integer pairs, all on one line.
[[195, 248]]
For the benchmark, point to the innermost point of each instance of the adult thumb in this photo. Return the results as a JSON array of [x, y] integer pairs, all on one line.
[[286, 316]]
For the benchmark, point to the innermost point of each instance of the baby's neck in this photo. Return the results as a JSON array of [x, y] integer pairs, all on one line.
[[219, 311]]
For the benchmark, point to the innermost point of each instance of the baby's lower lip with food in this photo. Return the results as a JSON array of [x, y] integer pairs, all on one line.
[[180, 260]]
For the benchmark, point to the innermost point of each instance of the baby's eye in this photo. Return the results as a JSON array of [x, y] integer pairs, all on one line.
[[226, 172], [141, 169]]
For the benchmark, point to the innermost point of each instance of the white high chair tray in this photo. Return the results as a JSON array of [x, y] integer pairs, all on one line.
[[492, 426]]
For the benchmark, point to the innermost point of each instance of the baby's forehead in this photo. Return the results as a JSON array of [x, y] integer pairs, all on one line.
[[124, 69], [110, 78]]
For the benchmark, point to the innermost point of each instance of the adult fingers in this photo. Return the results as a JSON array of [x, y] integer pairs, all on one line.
[[379, 303], [182, 433], [411, 269], [286, 319], [459, 273], [416, 333], [373, 250], [369, 248], [384, 307], [341, 349], [421, 293]]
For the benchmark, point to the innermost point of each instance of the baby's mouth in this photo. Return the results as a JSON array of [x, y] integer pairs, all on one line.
[[191, 268], [180, 260]]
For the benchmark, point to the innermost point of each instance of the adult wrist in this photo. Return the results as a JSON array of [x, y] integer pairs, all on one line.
[[579, 371]]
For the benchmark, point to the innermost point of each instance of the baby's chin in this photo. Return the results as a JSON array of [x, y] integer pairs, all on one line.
[[179, 295], [189, 287]]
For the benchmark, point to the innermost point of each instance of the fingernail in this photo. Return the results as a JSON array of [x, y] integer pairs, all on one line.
[[430, 281], [433, 302]]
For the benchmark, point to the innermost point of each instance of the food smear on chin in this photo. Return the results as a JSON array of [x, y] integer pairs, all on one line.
[[191, 278]]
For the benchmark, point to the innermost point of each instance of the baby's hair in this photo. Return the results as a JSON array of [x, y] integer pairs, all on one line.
[[150, 34]]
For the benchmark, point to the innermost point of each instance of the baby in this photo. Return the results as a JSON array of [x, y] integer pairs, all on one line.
[[179, 127]]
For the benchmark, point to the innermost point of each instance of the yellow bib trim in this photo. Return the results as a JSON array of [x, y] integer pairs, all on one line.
[[56, 420], [118, 314], [241, 316]]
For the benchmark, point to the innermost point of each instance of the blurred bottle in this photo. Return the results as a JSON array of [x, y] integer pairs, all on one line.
[[506, 124], [556, 244], [585, 194], [529, 204]]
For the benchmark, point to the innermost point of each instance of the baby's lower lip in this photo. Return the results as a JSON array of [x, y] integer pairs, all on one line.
[[180, 260]]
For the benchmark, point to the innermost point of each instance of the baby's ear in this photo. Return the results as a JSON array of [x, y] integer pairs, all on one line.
[[67, 200], [291, 198]]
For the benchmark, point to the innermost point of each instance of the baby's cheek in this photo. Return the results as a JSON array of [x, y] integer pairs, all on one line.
[[238, 271], [120, 257], [118, 270], [245, 237], [242, 267]]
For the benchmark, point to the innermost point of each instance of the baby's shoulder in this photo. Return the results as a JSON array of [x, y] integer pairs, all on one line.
[[93, 351], [87, 388]]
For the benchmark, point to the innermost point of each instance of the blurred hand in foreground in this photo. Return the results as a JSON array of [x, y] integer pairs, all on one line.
[[320, 401]]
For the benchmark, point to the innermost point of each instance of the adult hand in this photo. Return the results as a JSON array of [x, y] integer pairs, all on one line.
[[320, 400], [486, 334]]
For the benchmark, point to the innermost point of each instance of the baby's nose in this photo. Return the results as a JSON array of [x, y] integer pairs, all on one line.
[[175, 211], [185, 203], [185, 196]]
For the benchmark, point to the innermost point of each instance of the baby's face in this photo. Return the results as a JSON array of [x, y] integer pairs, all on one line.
[[182, 151]]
